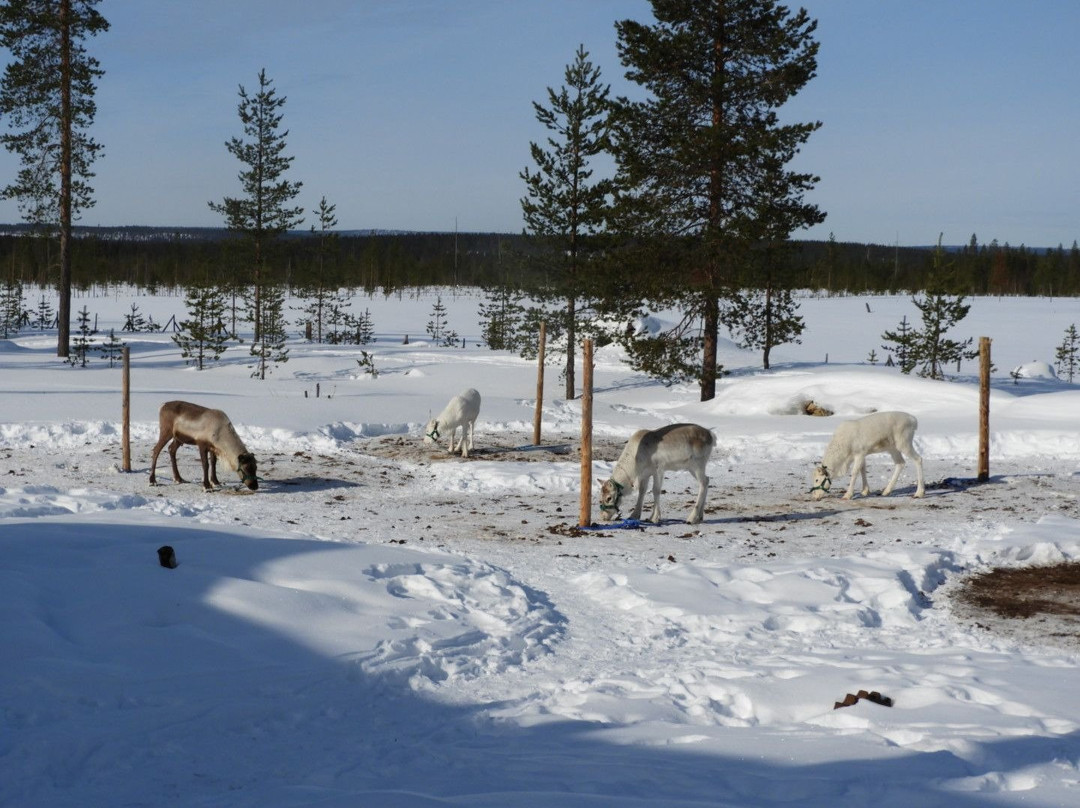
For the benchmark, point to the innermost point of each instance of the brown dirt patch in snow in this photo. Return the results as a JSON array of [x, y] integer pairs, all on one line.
[[1030, 603], [1027, 591]]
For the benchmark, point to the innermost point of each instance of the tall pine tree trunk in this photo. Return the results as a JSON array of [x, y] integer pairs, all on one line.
[[711, 329], [768, 324], [63, 334], [571, 340]]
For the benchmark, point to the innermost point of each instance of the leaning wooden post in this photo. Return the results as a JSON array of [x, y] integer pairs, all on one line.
[[539, 384], [126, 395], [984, 409], [586, 434]]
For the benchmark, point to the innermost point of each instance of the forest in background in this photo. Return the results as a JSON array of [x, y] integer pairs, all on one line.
[[153, 258]]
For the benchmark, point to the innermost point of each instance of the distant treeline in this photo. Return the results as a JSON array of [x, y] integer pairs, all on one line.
[[155, 258]]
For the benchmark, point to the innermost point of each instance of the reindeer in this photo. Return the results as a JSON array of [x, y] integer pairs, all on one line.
[[891, 433], [678, 447], [461, 412], [210, 430]]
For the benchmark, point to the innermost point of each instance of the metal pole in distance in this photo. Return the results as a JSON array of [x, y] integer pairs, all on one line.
[[126, 394], [984, 409], [539, 384], [586, 434]]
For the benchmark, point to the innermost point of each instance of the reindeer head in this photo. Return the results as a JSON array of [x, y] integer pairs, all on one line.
[[822, 482], [431, 431], [246, 466], [610, 495]]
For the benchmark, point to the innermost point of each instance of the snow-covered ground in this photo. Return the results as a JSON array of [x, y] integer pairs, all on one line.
[[382, 624]]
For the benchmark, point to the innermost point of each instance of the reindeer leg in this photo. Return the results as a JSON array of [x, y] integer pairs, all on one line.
[[205, 467], [464, 446], [636, 512], [213, 467], [703, 489], [658, 483], [898, 461], [858, 466], [916, 458], [154, 456], [172, 456]]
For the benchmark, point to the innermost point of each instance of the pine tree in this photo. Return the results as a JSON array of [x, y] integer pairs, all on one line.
[[134, 322], [701, 161], [500, 316], [112, 349], [765, 318], [83, 340], [11, 307], [47, 96], [934, 351], [269, 350], [436, 327], [337, 319], [364, 328], [320, 294], [44, 316], [1068, 354], [264, 212], [202, 337], [902, 342], [565, 207]]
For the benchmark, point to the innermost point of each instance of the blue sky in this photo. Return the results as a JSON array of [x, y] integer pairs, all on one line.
[[959, 117]]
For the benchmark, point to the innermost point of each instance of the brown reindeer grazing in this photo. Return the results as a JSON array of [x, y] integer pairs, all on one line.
[[210, 430]]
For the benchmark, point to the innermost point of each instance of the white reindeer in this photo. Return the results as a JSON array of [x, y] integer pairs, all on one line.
[[880, 432], [648, 454], [461, 412], [214, 435]]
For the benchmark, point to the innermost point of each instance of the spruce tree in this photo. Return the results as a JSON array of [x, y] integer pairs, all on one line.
[[264, 212], [565, 207], [47, 97], [702, 161]]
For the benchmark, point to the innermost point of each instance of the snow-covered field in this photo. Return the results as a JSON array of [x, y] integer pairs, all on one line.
[[382, 624]]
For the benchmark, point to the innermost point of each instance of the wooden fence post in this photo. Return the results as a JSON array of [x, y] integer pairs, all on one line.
[[126, 396], [585, 516], [539, 384], [984, 409]]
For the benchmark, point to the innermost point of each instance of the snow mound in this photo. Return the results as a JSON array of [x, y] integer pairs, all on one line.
[[1035, 369]]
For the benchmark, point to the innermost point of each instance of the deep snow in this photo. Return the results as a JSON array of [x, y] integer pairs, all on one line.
[[384, 625]]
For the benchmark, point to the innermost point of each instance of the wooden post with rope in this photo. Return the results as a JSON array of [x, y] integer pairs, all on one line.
[[539, 384], [126, 407], [984, 409], [585, 515]]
